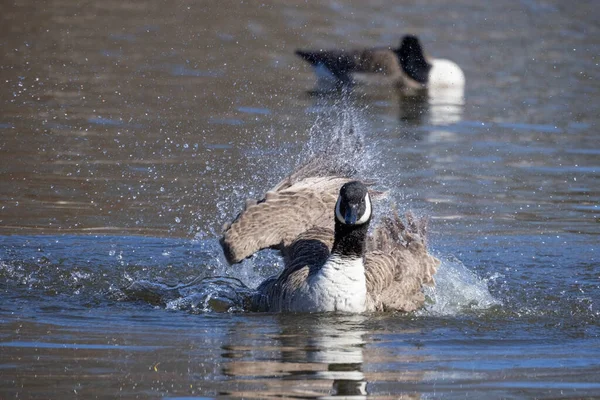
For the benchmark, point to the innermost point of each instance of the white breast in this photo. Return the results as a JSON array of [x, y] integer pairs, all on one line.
[[340, 285], [445, 73]]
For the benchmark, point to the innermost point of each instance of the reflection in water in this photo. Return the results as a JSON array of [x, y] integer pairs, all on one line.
[[434, 106], [413, 106], [446, 105], [417, 107], [319, 356], [340, 347]]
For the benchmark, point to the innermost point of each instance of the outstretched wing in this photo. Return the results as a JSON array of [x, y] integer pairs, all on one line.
[[301, 201], [397, 264], [281, 216]]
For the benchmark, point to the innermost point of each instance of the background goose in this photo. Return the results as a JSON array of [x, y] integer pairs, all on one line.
[[331, 264], [407, 65]]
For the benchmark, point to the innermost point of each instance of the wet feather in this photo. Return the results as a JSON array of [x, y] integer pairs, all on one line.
[[296, 217]]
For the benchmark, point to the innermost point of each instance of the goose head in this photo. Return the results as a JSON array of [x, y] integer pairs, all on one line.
[[353, 206], [413, 60], [424, 71], [353, 211]]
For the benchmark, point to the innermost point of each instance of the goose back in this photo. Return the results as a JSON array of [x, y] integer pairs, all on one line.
[[342, 63]]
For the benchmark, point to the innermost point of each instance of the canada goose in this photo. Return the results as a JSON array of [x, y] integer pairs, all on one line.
[[318, 218], [407, 65]]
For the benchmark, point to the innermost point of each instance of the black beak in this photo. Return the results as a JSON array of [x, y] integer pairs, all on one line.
[[351, 214]]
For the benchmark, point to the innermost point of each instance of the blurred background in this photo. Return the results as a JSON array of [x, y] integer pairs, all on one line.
[[123, 117]]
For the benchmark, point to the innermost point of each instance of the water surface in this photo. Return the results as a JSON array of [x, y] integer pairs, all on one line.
[[131, 132]]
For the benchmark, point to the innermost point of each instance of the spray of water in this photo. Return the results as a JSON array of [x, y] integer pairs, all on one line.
[[457, 290], [340, 131]]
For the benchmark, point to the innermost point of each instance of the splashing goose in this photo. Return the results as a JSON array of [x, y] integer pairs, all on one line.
[[319, 218], [407, 65]]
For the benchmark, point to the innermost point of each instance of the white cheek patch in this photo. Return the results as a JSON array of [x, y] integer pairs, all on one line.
[[365, 217], [338, 214]]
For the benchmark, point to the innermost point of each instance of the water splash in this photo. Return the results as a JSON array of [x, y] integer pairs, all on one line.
[[194, 276], [457, 290], [218, 294], [340, 131]]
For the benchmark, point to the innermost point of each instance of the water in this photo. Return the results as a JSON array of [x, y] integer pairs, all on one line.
[[131, 132]]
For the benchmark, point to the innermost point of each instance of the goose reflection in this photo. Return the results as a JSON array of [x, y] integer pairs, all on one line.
[[437, 106], [339, 346], [314, 356], [434, 106]]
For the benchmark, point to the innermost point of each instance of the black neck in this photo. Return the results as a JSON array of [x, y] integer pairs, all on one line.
[[413, 62], [350, 240]]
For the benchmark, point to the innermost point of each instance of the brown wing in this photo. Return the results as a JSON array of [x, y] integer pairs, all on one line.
[[304, 199], [397, 265], [283, 215], [305, 255], [301, 201], [378, 61]]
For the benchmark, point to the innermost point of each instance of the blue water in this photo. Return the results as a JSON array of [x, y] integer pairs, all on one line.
[[501, 326]]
